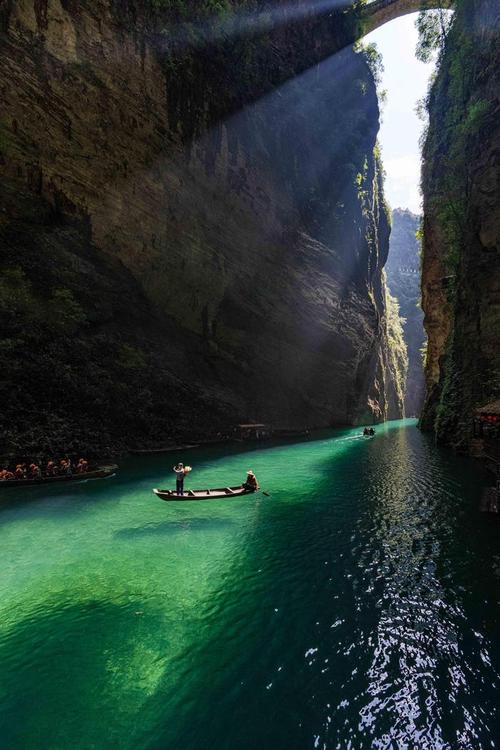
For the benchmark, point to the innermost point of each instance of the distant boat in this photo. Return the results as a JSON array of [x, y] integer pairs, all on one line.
[[100, 473], [214, 494]]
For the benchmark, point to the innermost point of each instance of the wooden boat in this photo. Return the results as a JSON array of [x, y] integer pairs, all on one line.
[[214, 494], [99, 473]]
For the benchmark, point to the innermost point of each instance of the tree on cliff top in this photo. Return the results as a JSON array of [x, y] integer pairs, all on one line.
[[432, 27]]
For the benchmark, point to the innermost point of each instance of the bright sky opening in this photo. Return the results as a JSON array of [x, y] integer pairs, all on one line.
[[406, 80]]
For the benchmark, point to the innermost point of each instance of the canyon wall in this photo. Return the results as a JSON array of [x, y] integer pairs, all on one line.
[[403, 278], [192, 233], [461, 258]]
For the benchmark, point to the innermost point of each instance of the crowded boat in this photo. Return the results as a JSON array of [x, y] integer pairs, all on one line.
[[52, 468]]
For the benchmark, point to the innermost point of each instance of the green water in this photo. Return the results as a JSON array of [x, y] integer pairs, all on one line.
[[356, 607]]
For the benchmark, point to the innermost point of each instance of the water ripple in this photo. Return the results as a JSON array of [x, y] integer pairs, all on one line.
[[355, 608]]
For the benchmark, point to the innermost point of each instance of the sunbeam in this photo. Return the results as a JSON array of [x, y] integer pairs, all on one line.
[[200, 274], [242, 23]]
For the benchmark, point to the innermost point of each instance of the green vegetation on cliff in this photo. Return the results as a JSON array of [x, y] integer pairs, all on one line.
[[461, 270], [397, 349], [75, 357]]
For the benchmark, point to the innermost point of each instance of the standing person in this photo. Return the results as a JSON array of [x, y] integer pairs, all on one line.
[[179, 478]]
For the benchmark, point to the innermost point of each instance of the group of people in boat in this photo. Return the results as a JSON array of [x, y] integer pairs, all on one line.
[[181, 472], [368, 431], [52, 469]]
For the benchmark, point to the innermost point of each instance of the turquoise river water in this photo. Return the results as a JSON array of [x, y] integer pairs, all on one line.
[[355, 607]]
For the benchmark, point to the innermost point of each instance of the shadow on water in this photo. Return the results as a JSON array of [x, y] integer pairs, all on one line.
[[65, 657], [55, 499], [374, 636], [177, 526]]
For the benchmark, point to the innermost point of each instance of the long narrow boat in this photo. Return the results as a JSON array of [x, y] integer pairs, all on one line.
[[214, 494], [98, 473]]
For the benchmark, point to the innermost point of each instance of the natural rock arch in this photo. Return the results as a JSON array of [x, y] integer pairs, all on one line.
[[377, 13]]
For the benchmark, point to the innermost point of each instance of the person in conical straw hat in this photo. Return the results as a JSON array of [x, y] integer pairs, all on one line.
[[251, 481]]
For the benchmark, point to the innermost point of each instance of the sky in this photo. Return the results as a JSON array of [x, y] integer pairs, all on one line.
[[406, 80]]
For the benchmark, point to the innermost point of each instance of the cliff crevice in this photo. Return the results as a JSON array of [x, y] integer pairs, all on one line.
[[403, 277]]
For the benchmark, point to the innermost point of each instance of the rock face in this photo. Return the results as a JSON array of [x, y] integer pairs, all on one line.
[[185, 246], [403, 278], [461, 258]]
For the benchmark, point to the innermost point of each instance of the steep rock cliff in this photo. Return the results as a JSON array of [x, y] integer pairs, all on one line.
[[403, 278], [183, 246], [461, 258]]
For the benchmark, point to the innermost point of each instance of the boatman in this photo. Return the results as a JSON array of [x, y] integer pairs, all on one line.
[[179, 478], [251, 481]]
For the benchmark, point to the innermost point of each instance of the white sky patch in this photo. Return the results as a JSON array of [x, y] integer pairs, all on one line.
[[402, 181], [406, 80]]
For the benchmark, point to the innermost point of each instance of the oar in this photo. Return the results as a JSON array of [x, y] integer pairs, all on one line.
[[266, 494]]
